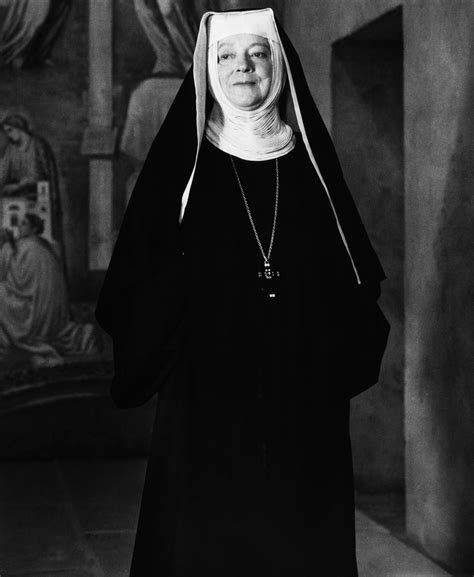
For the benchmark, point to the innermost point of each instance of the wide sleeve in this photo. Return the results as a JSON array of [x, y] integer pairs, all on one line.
[[149, 342], [370, 334], [142, 301], [360, 332]]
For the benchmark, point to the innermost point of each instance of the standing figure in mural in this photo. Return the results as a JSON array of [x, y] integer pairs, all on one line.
[[147, 108], [171, 28], [243, 289], [27, 162], [35, 322], [151, 99]]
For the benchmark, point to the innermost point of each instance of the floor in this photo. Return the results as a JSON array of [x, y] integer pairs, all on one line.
[[76, 518]]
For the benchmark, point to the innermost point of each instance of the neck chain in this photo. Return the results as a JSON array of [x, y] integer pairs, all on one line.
[[268, 275]]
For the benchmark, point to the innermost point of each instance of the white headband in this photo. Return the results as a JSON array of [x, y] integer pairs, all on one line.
[[257, 22]]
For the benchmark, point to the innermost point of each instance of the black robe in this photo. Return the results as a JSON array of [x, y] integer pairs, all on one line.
[[250, 469]]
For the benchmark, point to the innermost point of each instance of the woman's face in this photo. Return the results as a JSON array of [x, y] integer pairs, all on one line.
[[245, 69], [14, 134]]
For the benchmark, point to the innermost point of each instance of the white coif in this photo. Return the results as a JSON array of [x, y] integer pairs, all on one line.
[[257, 134]]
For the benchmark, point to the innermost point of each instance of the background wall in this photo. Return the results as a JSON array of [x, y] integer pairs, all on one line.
[[398, 100], [436, 372], [440, 278], [367, 127], [54, 98], [357, 81]]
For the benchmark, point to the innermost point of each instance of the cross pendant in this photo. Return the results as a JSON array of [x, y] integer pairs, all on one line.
[[269, 278]]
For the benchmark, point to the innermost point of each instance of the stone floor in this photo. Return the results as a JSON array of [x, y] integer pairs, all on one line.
[[62, 519]]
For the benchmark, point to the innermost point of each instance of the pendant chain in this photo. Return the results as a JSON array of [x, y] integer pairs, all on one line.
[[266, 257]]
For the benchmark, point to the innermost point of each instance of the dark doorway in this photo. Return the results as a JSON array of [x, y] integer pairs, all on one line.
[[367, 123]]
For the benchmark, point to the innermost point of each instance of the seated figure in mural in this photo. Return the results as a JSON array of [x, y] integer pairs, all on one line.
[[35, 321], [27, 161]]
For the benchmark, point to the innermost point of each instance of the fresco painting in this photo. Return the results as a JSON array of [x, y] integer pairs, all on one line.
[[47, 293], [147, 108], [29, 180], [38, 327], [35, 322]]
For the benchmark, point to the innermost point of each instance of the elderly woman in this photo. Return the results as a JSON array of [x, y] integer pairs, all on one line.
[[243, 289]]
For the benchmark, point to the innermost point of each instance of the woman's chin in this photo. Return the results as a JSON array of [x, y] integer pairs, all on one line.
[[247, 103]]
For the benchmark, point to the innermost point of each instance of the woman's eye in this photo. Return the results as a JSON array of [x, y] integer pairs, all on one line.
[[260, 54], [224, 56]]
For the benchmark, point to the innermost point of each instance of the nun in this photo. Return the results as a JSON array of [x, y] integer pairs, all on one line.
[[243, 290]]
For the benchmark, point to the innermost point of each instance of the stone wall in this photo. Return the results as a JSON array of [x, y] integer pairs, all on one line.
[[367, 121], [436, 373], [362, 95], [439, 208]]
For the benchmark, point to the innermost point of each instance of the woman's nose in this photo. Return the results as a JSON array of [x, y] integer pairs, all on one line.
[[244, 64]]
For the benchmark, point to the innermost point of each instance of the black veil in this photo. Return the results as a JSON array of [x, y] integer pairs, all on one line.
[[143, 298]]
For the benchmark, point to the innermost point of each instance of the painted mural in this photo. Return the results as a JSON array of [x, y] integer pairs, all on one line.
[[37, 324], [171, 30], [48, 332], [28, 179]]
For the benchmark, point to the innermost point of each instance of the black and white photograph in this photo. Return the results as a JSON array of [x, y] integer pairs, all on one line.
[[236, 288]]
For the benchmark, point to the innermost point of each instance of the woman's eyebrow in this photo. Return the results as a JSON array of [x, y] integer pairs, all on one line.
[[228, 44], [264, 44]]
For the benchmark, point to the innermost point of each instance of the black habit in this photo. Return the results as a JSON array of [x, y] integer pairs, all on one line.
[[250, 469]]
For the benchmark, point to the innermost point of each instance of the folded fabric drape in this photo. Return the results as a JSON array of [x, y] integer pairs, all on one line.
[[22, 20], [29, 30]]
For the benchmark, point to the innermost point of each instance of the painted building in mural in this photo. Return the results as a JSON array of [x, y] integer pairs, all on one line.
[[14, 208]]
